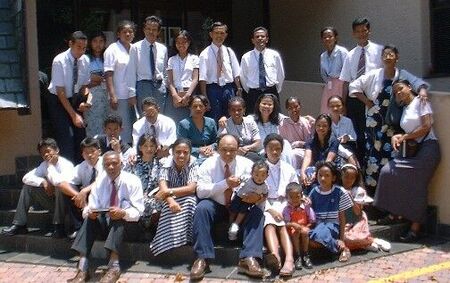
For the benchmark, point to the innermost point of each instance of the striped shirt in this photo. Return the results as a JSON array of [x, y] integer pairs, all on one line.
[[327, 205]]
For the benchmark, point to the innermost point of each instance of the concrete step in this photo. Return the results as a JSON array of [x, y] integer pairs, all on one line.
[[9, 198]]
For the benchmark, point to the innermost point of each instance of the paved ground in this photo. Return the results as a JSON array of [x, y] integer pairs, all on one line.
[[426, 264]]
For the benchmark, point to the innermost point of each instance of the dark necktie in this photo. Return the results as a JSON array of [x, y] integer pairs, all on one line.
[[74, 75], [93, 175], [229, 191], [361, 63], [152, 62], [262, 72], [113, 197]]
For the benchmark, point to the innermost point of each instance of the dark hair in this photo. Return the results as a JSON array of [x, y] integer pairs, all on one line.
[[149, 101], [292, 98], [347, 167], [77, 35], [47, 142], [260, 28], [236, 99], [218, 24], [93, 35], [153, 19], [274, 117], [89, 142], [330, 165], [260, 164], [391, 47], [332, 29], [327, 137], [112, 119], [204, 100], [405, 82], [273, 137], [361, 21], [143, 139], [337, 97], [220, 137], [123, 24], [187, 35], [179, 141], [294, 187]]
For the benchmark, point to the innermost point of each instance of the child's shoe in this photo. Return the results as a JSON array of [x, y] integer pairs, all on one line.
[[372, 247], [298, 263], [233, 232], [306, 261], [383, 245]]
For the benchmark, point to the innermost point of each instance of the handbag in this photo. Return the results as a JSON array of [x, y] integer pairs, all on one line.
[[410, 148]]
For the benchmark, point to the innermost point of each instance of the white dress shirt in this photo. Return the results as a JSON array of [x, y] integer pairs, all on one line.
[[139, 65], [208, 65], [62, 73], [211, 176], [331, 65], [412, 118], [373, 54], [129, 193], [166, 130], [55, 174], [343, 127], [182, 70], [83, 173], [116, 59], [273, 64]]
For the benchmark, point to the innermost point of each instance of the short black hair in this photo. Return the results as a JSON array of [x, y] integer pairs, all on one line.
[[123, 24], [292, 98], [294, 187], [332, 29], [143, 139], [89, 142], [218, 24], [78, 35], [260, 28], [260, 164], [236, 99], [179, 141], [153, 19], [112, 119], [149, 101], [334, 170], [361, 21], [47, 142], [273, 137], [392, 47], [201, 97]]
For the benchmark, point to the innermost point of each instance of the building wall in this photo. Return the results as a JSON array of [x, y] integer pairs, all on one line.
[[20, 134], [296, 25]]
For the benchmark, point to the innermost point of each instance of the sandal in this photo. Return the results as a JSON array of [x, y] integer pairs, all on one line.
[[272, 262], [286, 272], [345, 255]]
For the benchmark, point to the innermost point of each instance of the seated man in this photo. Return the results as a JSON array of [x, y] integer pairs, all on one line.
[[155, 124], [43, 185], [218, 176], [116, 199]]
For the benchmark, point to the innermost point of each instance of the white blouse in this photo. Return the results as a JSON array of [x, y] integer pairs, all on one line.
[[182, 70]]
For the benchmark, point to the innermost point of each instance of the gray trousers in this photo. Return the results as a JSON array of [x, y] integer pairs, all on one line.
[[157, 90], [30, 194]]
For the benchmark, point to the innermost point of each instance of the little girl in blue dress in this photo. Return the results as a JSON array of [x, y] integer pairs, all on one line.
[[329, 202]]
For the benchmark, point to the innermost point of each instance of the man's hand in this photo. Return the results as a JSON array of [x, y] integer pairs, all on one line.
[[113, 101], [48, 188], [80, 199], [115, 144], [83, 107], [92, 215], [233, 181], [78, 121], [116, 213]]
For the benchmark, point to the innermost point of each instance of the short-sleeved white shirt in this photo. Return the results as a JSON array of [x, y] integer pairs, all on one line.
[[373, 54], [62, 73], [116, 60], [411, 117], [182, 70], [208, 65]]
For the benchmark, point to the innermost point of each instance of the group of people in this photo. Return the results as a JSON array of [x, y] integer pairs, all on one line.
[[182, 143]]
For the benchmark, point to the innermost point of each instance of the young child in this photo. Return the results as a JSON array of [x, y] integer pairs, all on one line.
[[342, 127], [147, 167], [329, 202], [357, 234], [298, 217], [238, 208]]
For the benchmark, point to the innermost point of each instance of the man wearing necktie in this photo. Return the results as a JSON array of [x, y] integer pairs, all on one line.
[[115, 203], [219, 72], [262, 70], [146, 71], [70, 76], [218, 178]]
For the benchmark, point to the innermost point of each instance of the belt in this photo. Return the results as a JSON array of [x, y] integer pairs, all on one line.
[[152, 81], [263, 89]]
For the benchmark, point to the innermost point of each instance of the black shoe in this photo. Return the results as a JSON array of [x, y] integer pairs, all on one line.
[[58, 233], [14, 230], [409, 237], [306, 261], [298, 263]]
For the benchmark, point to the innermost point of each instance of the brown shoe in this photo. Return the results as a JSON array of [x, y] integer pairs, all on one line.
[[199, 268], [80, 277], [250, 267], [111, 276]]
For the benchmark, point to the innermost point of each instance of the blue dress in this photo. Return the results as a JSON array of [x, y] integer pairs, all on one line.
[[207, 136], [327, 206]]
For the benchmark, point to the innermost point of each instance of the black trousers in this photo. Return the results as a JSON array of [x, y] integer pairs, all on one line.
[[356, 111]]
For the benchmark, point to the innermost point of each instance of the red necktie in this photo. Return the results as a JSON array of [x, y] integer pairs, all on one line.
[[229, 191], [113, 197]]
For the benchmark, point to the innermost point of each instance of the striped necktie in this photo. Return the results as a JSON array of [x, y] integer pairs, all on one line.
[[361, 63], [219, 63]]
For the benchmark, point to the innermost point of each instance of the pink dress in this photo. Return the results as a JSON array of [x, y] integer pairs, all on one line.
[[333, 87]]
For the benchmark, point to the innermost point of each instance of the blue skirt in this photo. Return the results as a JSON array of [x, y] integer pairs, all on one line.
[[327, 234]]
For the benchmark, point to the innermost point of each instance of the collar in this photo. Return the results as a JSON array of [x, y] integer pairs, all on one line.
[[156, 122], [231, 165], [148, 43], [258, 52], [276, 165], [215, 48], [302, 206], [317, 188], [70, 56], [116, 180]]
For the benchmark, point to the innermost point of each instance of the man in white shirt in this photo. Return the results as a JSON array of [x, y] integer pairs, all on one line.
[[146, 72], [218, 177], [115, 201], [366, 56], [156, 124], [43, 185], [219, 72], [262, 70], [70, 77]]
